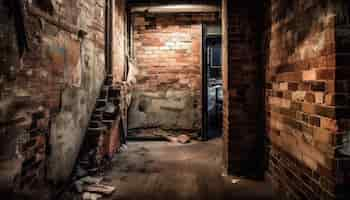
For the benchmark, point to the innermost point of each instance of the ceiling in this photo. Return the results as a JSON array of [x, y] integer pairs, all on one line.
[[167, 2]]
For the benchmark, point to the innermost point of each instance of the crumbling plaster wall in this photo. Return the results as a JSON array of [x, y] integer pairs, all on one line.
[[59, 78], [120, 41], [167, 49]]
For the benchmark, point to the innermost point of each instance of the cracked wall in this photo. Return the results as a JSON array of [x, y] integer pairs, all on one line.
[[58, 79]]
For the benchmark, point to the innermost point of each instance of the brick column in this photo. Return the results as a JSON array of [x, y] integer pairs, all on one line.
[[341, 100], [242, 88]]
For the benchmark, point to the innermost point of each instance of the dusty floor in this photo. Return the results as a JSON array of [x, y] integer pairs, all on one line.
[[162, 170]]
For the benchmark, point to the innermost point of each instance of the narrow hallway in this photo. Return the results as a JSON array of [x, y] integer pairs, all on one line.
[[174, 99], [162, 170]]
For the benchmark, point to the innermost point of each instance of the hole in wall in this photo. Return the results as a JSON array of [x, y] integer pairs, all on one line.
[[142, 105], [44, 5]]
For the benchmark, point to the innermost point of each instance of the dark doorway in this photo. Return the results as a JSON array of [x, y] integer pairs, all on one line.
[[212, 82]]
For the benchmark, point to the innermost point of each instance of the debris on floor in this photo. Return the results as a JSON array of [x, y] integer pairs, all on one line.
[[123, 148], [183, 139], [91, 196], [93, 188], [173, 138], [235, 181], [169, 138], [100, 189], [156, 134]]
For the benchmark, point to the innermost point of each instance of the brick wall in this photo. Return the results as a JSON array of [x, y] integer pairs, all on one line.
[[305, 103], [167, 49], [47, 96], [242, 70], [303, 56]]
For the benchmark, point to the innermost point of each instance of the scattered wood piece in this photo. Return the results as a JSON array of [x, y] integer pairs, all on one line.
[[235, 181], [183, 139], [100, 189], [91, 196], [171, 139], [167, 137]]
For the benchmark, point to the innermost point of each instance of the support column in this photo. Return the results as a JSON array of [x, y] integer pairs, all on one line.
[[243, 143]]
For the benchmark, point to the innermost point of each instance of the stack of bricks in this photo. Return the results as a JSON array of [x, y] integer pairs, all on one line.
[[103, 135], [307, 105]]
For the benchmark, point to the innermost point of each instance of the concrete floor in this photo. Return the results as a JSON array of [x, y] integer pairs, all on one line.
[[162, 170]]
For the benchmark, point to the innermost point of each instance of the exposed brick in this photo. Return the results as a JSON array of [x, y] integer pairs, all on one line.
[[319, 104], [167, 50], [310, 97], [318, 86], [309, 75], [55, 76]]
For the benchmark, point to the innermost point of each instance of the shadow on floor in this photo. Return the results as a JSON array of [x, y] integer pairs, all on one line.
[[161, 170]]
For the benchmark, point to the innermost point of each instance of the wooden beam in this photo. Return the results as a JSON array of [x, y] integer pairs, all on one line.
[[185, 8]]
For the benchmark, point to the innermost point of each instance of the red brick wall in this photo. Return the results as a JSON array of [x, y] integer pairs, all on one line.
[[303, 107], [303, 56], [167, 49]]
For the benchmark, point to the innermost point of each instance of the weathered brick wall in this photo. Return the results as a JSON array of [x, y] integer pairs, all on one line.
[[305, 106], [167, 49], [47, 96], [78, 100]]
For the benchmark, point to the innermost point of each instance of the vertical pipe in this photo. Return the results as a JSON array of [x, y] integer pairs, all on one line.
[[204, 132], [111, 35], [107, 36]]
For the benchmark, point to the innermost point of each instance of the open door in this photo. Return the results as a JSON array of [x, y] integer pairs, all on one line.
[[212, 83]]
